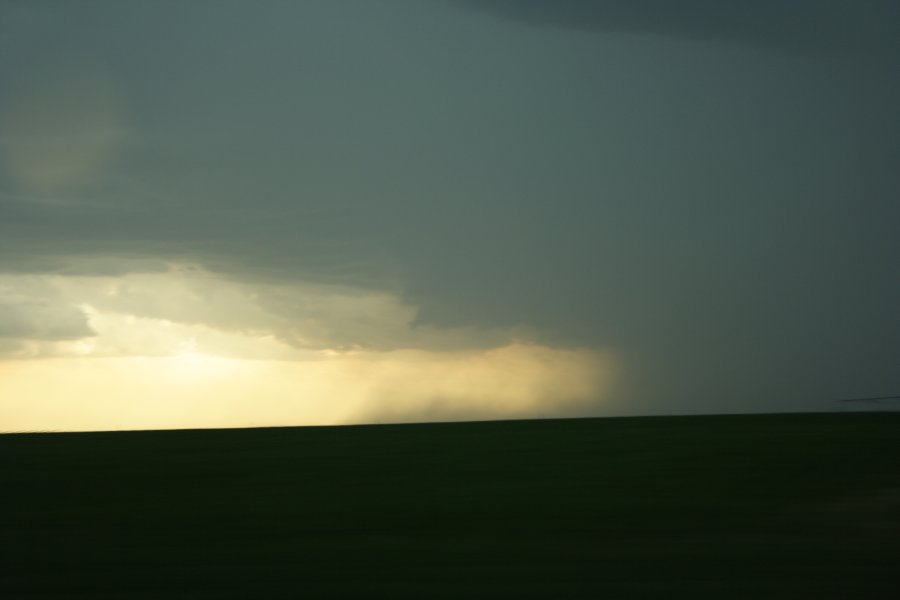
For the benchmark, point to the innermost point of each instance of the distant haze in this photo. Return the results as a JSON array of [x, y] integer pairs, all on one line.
[[236, 212]]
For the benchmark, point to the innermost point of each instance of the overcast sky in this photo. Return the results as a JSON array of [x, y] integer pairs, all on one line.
[[445, 208]]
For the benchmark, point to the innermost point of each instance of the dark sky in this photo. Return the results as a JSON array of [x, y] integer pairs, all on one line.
[[707, 189]]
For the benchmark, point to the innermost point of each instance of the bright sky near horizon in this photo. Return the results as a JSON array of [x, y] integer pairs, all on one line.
[[226, 213]]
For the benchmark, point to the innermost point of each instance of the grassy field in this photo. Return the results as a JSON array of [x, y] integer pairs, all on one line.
[[763, 506]]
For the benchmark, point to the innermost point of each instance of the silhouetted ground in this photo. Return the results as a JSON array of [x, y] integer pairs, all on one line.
[[763, 506]]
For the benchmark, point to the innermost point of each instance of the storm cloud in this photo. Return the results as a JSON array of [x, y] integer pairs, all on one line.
[[706, 193]]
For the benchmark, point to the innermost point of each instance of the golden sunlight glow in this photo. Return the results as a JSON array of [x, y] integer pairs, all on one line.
[[197, 390], [181, 350], [188, 363]]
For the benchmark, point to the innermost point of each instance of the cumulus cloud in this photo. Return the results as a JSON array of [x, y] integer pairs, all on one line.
[[38, 320], [30, 309], [157, 313]]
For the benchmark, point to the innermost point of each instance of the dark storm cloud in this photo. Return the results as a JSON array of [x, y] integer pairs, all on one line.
[[723, 219], [830, 26]]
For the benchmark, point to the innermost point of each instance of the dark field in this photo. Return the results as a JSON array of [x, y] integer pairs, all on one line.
[[769, 506]]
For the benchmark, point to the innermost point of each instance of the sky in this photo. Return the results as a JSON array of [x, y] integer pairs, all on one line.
[[226, 213]]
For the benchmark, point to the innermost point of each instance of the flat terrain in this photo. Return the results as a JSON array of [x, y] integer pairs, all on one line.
[[762, 506]]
